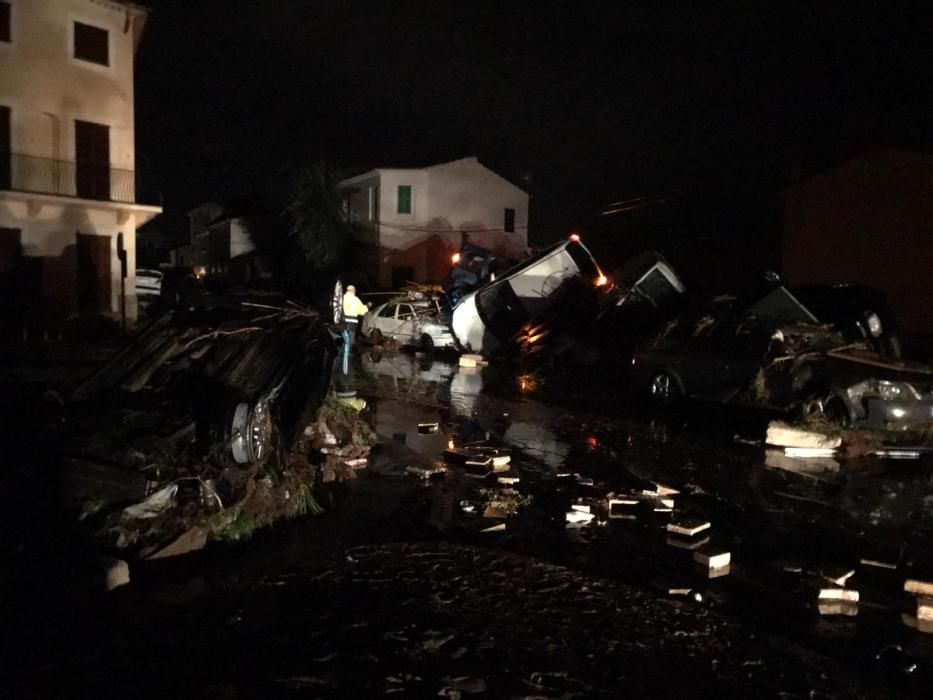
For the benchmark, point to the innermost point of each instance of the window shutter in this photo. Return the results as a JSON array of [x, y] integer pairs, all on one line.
[[404, 199], [6, 33], [510, 221]]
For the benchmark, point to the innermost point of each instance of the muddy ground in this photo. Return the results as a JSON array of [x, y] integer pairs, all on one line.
[[397, 589]]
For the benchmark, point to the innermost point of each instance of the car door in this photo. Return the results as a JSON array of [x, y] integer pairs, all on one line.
[[385, 319], [405, 323]]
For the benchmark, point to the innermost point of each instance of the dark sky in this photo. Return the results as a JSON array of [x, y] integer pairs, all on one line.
[[598, 101]]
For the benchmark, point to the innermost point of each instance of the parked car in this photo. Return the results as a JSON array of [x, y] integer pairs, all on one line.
[[494, 315], [148, 287], [775, 355], [415, 321]]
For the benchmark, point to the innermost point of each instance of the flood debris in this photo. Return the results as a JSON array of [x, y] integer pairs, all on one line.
[[687, 527], [153, 506], [838, 601], [116, 573], [576, 518], [712, 558], [426, 472], [205, 409], [781, 434]]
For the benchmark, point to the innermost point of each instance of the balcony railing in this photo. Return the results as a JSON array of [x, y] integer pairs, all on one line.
[[82, 179]]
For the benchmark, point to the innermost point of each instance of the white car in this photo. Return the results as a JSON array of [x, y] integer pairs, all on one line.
[[148, 286], [417, 322], [493, 315]]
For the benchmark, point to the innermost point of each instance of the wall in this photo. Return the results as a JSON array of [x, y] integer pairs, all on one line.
[[451, 202], [869, 221], [47, 90], [49, 228]]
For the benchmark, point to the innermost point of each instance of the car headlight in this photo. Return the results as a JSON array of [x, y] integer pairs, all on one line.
[[874, 325], [892, 391]]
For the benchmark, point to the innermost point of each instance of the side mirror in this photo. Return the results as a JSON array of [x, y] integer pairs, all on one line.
[[771, 277]]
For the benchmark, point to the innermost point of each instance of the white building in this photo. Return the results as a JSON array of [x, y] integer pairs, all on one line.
[[417, 218], [68, 165]]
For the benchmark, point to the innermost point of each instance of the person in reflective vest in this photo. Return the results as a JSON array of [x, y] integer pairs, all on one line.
[[353, 311]]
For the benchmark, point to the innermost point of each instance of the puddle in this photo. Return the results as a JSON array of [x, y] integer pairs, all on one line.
[[782, 521]]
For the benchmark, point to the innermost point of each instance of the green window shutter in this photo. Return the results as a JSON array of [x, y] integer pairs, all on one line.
[[404, 199]]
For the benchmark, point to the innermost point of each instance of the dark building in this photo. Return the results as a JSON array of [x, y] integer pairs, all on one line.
[[869, 220]]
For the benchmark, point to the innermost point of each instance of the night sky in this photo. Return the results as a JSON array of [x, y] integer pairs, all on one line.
[[596, 101]]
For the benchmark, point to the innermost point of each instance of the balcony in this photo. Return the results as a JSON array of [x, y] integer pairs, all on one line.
[[82, 180]]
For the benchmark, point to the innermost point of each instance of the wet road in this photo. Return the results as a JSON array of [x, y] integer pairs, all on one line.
[[397, 588], [789, 525]]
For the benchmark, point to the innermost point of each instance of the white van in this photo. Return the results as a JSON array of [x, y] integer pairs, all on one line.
[[491, 316]]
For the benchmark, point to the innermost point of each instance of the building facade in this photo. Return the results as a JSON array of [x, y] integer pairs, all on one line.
[[413, 220], [867, 221], [68, 185], [220, 238]]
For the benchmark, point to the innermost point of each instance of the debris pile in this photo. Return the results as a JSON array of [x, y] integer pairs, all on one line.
[[185, 435]]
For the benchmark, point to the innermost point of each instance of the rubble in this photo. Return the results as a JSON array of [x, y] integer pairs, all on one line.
[[576, 518], [687, 527], [918, 587], [712, 558], [117, 573], [190, 541], [784, 435], [154, 505]]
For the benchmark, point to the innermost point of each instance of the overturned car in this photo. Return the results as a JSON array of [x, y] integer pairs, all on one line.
[[493, 316], [242, 373], [775, 354]]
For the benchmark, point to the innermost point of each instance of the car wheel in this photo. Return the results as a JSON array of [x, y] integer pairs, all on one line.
[[375, 335], [427, 343], [336, 303], [836, 412], [664, 389]]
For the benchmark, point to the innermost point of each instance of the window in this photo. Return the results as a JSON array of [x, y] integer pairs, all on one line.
[[5, 31], [92, 44], [510, 221], [405, 312], [388, 311], [404, 199]]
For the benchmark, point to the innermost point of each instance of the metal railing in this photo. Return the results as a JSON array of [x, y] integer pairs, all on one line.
[[82, 179]]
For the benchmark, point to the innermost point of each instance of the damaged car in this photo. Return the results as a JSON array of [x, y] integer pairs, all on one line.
[[493, 316], [416, 320], [242, 372], [774, 354]]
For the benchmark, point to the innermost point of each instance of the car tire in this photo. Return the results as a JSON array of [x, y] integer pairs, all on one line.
[[427, 344], [375, 335], [836, 412], [664, 389]]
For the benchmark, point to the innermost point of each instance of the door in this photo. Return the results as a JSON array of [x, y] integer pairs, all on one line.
[[11, 253], [385, 321], [92, 160], [405, 320], [6, 147], [93, 275]]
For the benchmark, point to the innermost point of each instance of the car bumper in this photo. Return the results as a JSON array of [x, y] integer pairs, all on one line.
[[444, 340], [899, 415]]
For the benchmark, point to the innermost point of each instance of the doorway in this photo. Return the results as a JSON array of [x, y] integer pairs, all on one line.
[[93, 274], [92, 160]]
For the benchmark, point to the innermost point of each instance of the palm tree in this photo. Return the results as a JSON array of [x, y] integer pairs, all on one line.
[[316, 219]]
